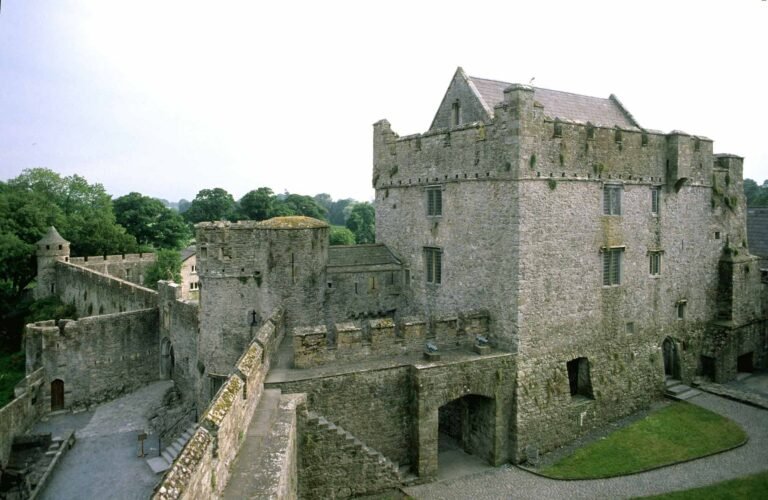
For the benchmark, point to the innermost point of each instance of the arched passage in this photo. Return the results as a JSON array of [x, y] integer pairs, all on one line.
[[167, 360], [671, 358], [468, 423], [57, 395]]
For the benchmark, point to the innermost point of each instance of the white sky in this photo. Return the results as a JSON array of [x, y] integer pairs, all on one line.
[[170, 97]]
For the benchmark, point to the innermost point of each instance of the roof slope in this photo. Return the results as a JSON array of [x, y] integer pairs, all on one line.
[[360, 255], [52, 236], [757, 231], [565, 105]]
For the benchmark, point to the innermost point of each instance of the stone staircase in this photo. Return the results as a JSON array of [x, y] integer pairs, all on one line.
[[674, 389], [352, 445], [169, 454]]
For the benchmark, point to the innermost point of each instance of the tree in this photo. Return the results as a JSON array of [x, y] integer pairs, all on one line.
[[305, 205], [83, 211], [183, 205], [151, 222], [257, 204], [757, 196], [340, 235], [362, 222], [211, 205], [167, 266]]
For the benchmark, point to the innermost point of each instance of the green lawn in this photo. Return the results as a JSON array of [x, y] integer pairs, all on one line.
[[675, 433], [11, 373], [743, 488]]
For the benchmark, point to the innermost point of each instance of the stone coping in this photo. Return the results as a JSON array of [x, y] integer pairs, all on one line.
[[281, 374]]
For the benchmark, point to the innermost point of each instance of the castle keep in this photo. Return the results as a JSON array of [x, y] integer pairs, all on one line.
[[543, 263]]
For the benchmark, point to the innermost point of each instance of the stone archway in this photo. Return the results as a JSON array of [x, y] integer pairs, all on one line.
[[57, 395], [468, 424], [167, 359], [671, 358]]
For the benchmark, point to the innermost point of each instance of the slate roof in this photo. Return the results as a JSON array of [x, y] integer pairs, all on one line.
[[564, 105], [757, 231], [360, 255], [188, 252]]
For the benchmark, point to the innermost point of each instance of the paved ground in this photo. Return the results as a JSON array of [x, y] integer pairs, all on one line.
[[103, 463], [511, 482]]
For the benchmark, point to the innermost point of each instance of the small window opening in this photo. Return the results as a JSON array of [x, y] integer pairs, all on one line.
[[681, 306], [60, 247], [655, 200], [455, 114], [655, 263], [630, 327], [47, 247], [644, 139], [617, 136], [558, 129], [696, 144], [434, 201], [612, 258], [717, 235], [579, 378], [590, 131], [612, 199], [433, 257]]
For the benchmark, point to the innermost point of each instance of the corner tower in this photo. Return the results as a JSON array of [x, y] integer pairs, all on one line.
[[51, 248]]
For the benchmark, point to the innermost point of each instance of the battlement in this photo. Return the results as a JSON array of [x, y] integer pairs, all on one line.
[[546, 147], [126, 257], [357, 341]]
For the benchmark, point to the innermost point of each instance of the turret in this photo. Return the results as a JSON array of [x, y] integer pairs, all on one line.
[[51, 248]]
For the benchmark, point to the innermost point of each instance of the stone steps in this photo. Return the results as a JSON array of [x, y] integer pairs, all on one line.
[[351, 443], [675, 389], [169, 454]]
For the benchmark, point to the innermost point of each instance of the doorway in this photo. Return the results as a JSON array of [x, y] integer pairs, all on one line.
[[57, 395], [671, 358]]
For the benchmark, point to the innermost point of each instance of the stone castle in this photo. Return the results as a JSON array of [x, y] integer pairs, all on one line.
[[544, 264]]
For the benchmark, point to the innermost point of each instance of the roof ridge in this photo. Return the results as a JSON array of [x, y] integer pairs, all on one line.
[[540, 88]]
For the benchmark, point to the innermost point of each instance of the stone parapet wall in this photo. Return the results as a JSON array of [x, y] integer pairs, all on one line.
[[202, 468], [129, 267], [97, 358], [93, 292], [351, 341], [21, 413]]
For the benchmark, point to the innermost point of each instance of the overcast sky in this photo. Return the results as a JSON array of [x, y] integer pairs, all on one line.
[[170, 97]]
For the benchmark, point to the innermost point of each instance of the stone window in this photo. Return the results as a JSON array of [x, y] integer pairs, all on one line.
[[194, 269], [717, 235], [216, 381], [456, 113], [558, 132], [612, 199], [655, 193], [434, 201], [630, 327], [433, 260], [612, 258], [655, 263], [579, 379], [194, 285], [681, 306]]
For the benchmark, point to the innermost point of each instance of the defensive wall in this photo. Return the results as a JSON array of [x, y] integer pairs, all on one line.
[[178, 339], [95, 293], [202, 468], [357, 341], [21, 413], [94, 359], [128, 267]]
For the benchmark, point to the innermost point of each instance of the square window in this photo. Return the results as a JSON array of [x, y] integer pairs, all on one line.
[[433, 258], [434, 201], [612, 258], [612, 199], [655, 262], [655, 192]]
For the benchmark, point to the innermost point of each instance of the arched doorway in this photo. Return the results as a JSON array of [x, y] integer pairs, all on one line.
[[671, 358], [167, 359], [467, 424], [57, 395]]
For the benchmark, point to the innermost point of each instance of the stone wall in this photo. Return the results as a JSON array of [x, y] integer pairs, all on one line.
[[364, 293], [94, 293], [21, 413], [357, 341], [130, 267], [202, 468], [179, 326], [97, 358]]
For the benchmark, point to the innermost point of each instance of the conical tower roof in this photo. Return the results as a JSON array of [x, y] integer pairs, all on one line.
[[52, 237]]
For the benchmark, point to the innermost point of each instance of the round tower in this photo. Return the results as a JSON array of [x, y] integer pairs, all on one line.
[[51, 248]]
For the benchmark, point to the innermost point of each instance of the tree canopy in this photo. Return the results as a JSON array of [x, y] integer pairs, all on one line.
[[362, 222], [210, 205], [151, 222], [167, 266], [757, 195], [340, 235]]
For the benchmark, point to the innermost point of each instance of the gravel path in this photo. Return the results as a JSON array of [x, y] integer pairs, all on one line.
[[511, 482]]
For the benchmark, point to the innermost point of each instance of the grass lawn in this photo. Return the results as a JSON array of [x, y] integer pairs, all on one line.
[[746, 488], [675, 433], [11, 373]]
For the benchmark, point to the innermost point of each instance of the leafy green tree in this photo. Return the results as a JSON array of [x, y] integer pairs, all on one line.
[[362, 222], [83, 211], [211, 205], [183, 205], [305, 205], [151, 222], [757, 196], [340, 235], [257, 204], [167, 266]]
